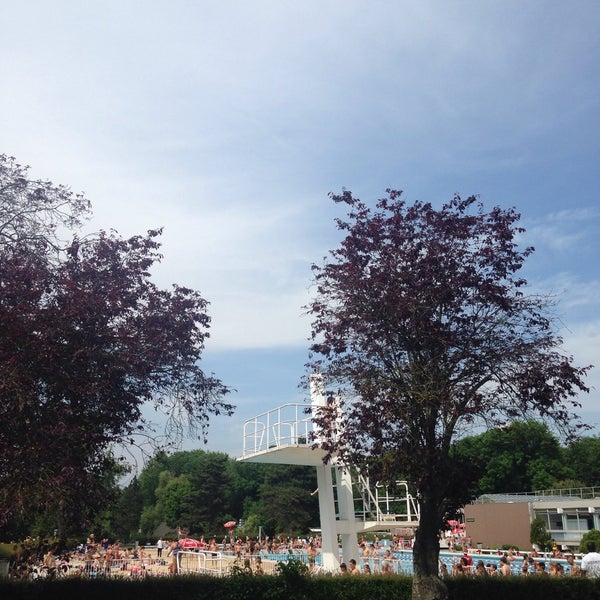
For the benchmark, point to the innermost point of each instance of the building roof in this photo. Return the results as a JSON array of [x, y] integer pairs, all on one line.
[[513, 498]]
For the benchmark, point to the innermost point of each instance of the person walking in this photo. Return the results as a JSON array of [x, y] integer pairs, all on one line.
[[590, 563]]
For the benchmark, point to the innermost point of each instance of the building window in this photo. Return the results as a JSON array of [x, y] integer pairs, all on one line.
[[556, 522], [573, 523]]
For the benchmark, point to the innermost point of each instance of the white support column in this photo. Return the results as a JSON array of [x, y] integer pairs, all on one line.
[[330, 527], [347, 516], [317, 400], [329, 541]]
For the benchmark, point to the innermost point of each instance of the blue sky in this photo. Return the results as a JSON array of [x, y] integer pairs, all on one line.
[[229, 122]]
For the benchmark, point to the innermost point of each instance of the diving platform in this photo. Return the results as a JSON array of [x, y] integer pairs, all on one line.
[[348, 503], [282, 436]]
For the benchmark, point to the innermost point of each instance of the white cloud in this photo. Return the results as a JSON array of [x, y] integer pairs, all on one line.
[[228, 124], [563, 229], [582, 341]]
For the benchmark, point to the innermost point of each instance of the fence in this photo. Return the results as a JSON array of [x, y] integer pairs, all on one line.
[[101, 568], [206, 563]]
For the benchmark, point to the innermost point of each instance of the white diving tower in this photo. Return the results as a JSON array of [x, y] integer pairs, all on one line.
[[286, 435]]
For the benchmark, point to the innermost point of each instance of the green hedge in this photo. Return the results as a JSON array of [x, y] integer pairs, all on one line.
[[296, 588], [524, 588]]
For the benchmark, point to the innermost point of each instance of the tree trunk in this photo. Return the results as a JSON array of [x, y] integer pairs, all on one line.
[[427, 584]]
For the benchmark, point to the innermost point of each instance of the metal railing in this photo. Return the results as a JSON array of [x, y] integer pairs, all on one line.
[[383, 505], [99, 567], [557, 494], [584, 493], [290, 424], [205, 563], [293, 425]]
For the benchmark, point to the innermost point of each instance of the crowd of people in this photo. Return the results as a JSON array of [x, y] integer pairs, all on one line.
[[34, 558], [515, 563]]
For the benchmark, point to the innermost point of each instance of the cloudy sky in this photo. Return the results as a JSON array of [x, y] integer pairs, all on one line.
[[228, 123]]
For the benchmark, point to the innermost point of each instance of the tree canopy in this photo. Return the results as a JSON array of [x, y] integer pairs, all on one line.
[[278, 498], [523, 457], [583, 456], [86, 338], [200, 491], [423, 327], [36, 212]]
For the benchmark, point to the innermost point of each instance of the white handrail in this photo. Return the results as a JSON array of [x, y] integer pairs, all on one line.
[[290, 424], [212, 563]]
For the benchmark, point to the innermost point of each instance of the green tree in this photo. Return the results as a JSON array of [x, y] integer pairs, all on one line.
[[151, 517], [539, 534], [251, 525], [201, 491], [593, 535], [522, 457], [177, 496], [286, 501], [191, 489], [565, 484], [209, 476], [422, 326], [583, 455], [125, 513], [150, 475], [246, 479]]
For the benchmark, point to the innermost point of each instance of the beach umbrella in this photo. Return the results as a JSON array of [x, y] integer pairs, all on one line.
[[230, 525], [190, 543]]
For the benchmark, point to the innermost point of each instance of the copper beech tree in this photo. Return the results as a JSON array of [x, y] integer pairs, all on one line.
[[86, 339], [422, 325]]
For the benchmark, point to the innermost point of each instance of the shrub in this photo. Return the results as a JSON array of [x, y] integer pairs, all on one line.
[[593, 535]]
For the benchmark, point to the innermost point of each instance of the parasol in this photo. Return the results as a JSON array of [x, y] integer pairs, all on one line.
[[230, 525], [190, 543]]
